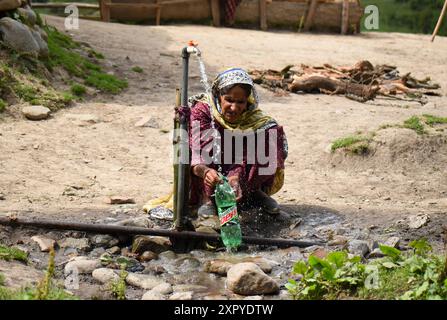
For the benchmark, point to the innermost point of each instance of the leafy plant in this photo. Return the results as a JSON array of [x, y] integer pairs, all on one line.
[[416, 274], [11, 253], [118, 287], [431, 120], [78, 90], [45, 290], [414, 123], [326, 278], [2, 105]]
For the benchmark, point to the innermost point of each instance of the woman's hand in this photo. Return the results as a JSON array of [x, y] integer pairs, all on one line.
[[211, 178], [234, 183]]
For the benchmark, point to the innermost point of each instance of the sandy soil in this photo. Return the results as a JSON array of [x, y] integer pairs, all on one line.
[[65, 164]]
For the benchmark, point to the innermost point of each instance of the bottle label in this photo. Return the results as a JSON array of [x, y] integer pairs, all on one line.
[[228, 215]]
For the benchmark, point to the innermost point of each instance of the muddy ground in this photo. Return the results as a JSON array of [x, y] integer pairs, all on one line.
[[66, 166]]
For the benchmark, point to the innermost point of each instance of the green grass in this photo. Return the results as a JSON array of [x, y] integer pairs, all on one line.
[[137, 69], [356, 144], [2, 105], [45, 290], [432, 120], [94, 54], [78, 90], [106, 82], [414, 123], [62, 54], [11, 253], [118, 287]]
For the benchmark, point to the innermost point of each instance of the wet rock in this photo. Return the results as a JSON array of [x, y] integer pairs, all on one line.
[[187, 264], [189, 287], [148, 256], [80, 244], [81, 265], [114, 250], [215, 297], [104, 240], [204, 229], [45, 244], [18, 36], [167, 255], [392, 242], [154, 269], [163, 288], [150, 243], [254, 298], [105, 275], [358, 247], [182, 296], [376, 253], [97, 252], [6, 5], [28, 15], [338, 240], [143, 281], [142, 222], [418, 221], [36, 112], [131, 264], [208, 221], [151, 295], [221, 267], [248, 279], [18, 275]]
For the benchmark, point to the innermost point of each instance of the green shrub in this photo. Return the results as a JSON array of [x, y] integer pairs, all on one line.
[[78, 90], [414, 123], [11, 253], [137, 69]]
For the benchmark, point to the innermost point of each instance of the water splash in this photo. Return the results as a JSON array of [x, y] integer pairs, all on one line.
[[216, 135]]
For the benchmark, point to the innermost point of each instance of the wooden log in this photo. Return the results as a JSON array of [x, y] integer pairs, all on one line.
[[310, 15], [263, 14], [80, 5], [438, 25], [345, 17], [215, 12]]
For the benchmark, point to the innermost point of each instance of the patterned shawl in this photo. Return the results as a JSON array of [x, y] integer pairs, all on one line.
[[252, 118]]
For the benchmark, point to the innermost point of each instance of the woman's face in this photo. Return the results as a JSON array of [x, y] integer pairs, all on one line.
[[233, 104]]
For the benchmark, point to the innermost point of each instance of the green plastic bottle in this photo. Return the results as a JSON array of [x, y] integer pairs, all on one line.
[[230, 229]]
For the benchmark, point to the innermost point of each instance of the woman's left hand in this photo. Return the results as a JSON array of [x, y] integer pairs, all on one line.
[[234, 183]]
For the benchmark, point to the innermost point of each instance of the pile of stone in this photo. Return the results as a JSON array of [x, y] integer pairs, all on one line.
[[22, 33]]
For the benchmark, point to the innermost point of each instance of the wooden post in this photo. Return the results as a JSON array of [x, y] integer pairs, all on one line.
[[345, 17], [105, 10], [438, 25], [263, 14], [310, 15], [157, 13], [215, 12]]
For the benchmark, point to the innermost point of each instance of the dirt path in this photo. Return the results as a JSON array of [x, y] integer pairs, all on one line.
[[66, 163]]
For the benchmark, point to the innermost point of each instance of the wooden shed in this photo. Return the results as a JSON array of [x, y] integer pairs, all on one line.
[[341, 16]]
